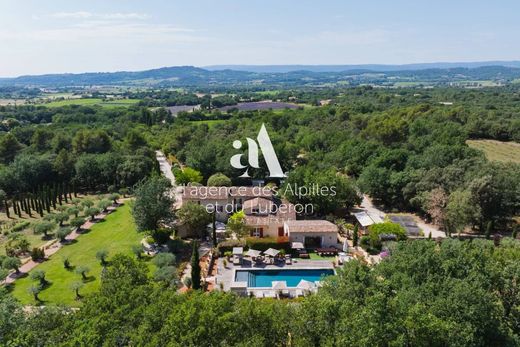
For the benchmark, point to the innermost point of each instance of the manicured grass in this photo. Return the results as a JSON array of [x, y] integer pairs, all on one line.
[[92, 102], [117, 234], [498, 151], [315, 256]]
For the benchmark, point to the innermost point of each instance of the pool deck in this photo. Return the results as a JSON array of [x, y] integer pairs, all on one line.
[[227, 275]]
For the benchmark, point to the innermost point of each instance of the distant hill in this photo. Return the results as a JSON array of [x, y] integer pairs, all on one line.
[[280, 76], [370, 67]]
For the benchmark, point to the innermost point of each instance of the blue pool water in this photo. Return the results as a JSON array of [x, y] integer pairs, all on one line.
[[265, 278]]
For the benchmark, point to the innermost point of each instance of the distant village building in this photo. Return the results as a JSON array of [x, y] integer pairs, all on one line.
[[312, 233]]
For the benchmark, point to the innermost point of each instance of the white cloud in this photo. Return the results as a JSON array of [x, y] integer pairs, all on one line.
[[105, 16]]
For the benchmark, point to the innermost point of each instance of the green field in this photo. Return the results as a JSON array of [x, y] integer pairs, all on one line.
[[507, 152], [92, 102], [210, 122], [117, 233]]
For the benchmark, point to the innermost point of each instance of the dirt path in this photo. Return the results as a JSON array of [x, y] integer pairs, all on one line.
[[54, 246], [166, 170]]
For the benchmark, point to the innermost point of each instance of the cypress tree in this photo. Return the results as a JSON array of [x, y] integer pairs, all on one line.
[[39, 206], [489, 229], [59, 194], [214, 228], [19, 209], [355, 235], [47, 199], [195, 266], [24, 206], [27, 203], [52, 197], [64, 191], [6, 204]]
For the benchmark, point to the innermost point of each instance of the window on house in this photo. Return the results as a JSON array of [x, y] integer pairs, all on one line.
[[257, 232]]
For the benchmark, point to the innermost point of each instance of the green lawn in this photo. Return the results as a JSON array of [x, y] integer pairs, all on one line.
[[497, 150], [92, 102], [116, 234], [315, 256]]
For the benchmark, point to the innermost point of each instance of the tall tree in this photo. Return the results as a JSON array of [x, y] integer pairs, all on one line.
[[195, 266], [153, 203]]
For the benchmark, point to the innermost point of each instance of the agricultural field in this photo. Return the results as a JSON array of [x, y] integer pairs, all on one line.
[[210, 123], [93, 102], [116, 234], [507, 152]]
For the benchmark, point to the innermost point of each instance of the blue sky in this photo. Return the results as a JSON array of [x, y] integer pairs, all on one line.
[[77, 36]]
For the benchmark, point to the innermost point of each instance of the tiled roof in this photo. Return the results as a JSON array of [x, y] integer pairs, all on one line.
[[309, 226]]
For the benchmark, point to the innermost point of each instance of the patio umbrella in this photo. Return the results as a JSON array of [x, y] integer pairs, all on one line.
[[297, 245], [279, 285], [253, 253], [345, 246], [306, 285], [272, 252]]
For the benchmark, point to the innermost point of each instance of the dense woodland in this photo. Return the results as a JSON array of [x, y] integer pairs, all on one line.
[[406, 148], [402, 147], [469, 296]]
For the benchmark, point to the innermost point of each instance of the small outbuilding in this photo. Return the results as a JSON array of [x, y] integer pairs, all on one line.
[[312, 233]]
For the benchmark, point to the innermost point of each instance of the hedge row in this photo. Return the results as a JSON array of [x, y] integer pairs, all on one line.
[[262, 244]]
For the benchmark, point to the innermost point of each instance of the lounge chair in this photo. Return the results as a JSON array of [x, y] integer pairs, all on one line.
[[288, 260]]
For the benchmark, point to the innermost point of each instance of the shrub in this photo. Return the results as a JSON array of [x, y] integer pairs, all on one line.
[[137, 249], [102, 255], [37, 254], [227, 246], [160, 236], [82, 270], [104, 204], [388, 228], [63, 233], [114, 197], [164, 259], [39, 275], [92, 212], [66, 262], [20, 226], [176, 245], [12, 263], [77, 222], [44, 228], [219, 180]]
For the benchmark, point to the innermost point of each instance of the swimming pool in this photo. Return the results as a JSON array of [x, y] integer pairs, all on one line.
[[265, 278]]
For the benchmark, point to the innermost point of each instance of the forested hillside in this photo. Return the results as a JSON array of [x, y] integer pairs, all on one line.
[[427, 294]]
